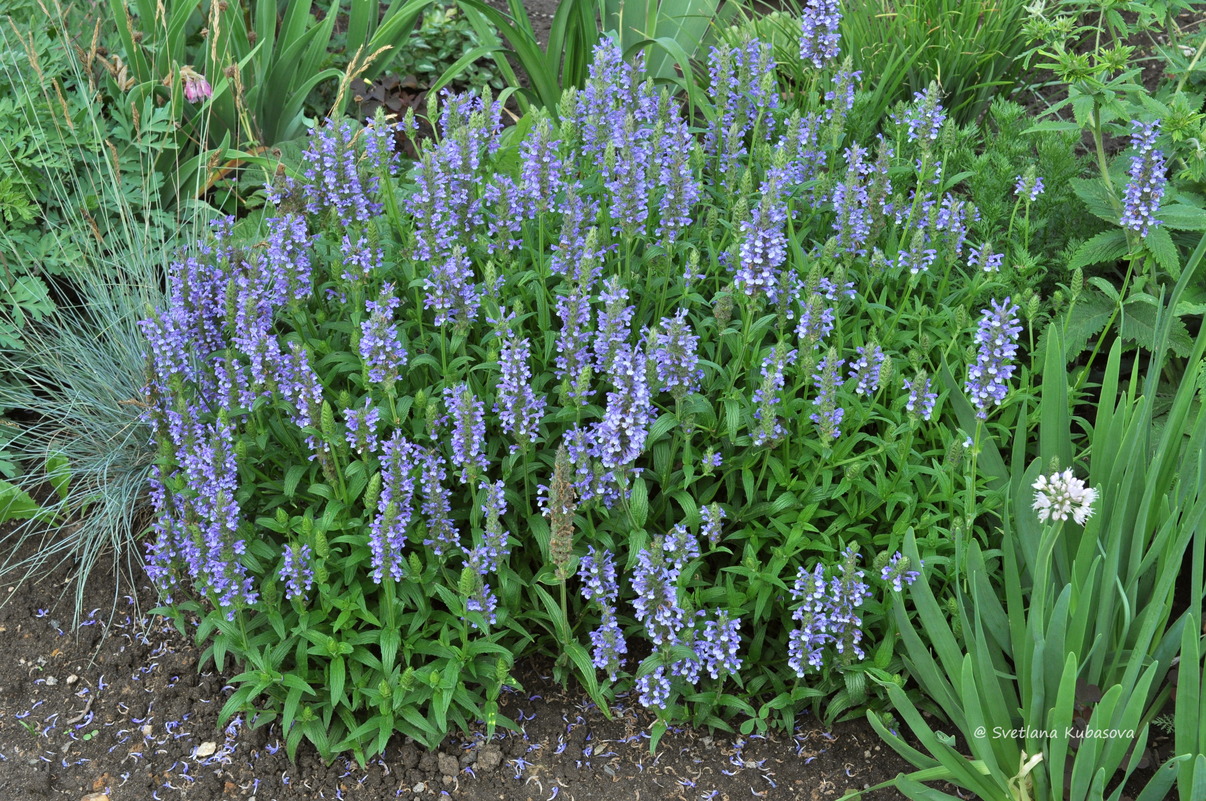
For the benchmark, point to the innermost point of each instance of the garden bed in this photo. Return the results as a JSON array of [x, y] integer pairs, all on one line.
[[128, 715]]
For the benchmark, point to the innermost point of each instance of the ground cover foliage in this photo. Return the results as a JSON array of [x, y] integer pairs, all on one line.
[[664, 381]]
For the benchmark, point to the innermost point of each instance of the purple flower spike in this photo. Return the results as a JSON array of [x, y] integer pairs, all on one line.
[[1141, 200], [997, 336]]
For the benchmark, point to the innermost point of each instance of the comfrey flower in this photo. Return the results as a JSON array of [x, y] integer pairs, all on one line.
[[654, 689], [196, 88], [630, 411], [597, 572], [467, 416], [359, 258], [852, 214], [675, 356], [984, 259], [828, 614], [744, 88], [820, 33], [574, 358], [543, 171], [395, 505], [1141, 200], [362, 427], [763, 248], [710, 518], [333, 178], [615, 323], [867, 369], [451, 289], [1060, 494], [437, 505], [716, 646], [924, 117], [816, 321], [656, 601], [381, 351], [287, 258], [997, 336], [897, 572], [680, 546]]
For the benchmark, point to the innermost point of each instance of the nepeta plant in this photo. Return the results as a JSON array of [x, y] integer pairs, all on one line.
[[500, 402]]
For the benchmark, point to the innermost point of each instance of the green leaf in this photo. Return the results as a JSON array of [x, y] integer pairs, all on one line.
[[338, 677], [638, 504], [293, 477], [58, 473], [1159, 243], [1182, 217], [16, 504], [1085, 319], [1097, 198], [1138, 325], [1107, 246]]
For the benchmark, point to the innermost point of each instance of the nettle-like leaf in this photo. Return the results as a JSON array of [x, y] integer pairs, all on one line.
[[1138, 324], [1106, 247], [1097, 198], [1082, 322]]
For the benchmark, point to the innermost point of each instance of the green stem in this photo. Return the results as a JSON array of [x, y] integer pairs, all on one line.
[[1189, 70], [1084, 372]]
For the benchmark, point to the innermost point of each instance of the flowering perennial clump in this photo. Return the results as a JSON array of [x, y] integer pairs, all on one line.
[[357, 413]]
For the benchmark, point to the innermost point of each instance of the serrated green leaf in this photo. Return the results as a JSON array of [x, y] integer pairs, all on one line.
[[1083, 321], [1108, 246], [1097, 198], [1138, 325], [1159, 243], [1105, 286], [1182, 217]]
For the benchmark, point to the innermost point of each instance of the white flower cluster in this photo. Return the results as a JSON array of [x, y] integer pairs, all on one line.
[[1060, 494]]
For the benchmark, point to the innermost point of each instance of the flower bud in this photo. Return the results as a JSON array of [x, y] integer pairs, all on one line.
[[269, 594], [468, 582], [722, 307], [373, 492]]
